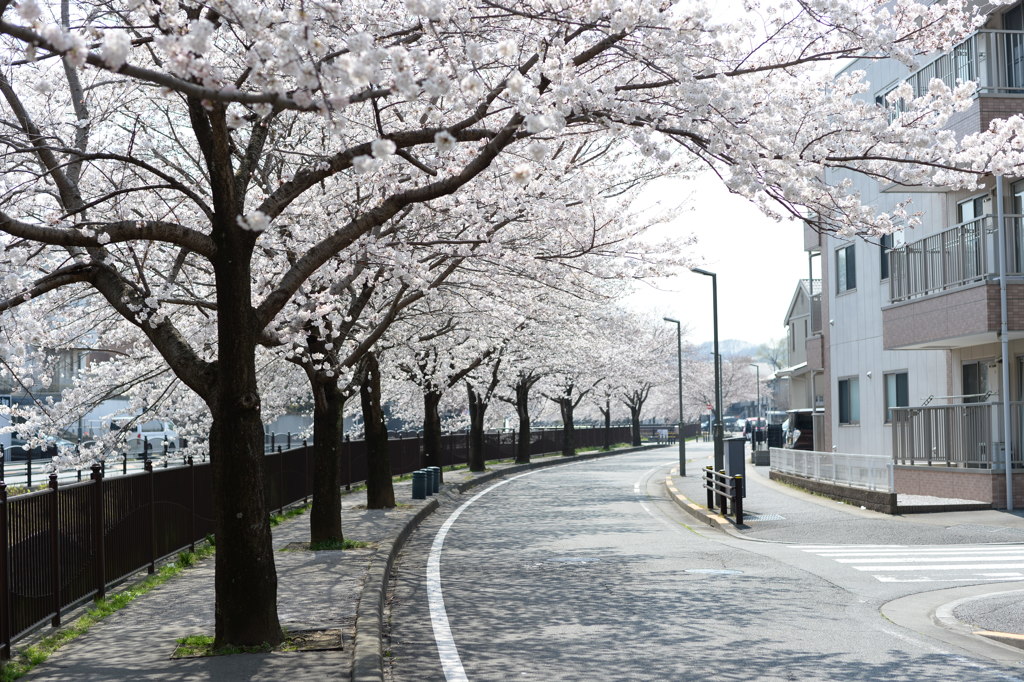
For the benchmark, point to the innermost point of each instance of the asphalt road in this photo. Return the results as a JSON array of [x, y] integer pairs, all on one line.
[[589, 572]]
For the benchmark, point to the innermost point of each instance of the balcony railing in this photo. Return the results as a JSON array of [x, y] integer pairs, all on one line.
[[966, 435], [960, 255], [993, 59]]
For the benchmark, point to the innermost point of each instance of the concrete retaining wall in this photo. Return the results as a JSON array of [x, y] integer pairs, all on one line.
[[875, 500]]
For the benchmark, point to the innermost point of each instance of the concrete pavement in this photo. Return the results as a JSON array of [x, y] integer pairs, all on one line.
[[338, 591], [986, 619], [344, 591]]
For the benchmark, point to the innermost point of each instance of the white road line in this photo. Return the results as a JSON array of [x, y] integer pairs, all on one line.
[[1016, 549], [938, 567], [932, 557], [451, 662]]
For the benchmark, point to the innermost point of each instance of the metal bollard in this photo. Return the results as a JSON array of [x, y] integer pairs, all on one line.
[[419, 485], [435, 479]]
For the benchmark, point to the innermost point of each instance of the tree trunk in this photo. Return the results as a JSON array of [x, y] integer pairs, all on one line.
[[607, 412], [523, 412], [432, 429], [634, 420], [380, 492], [245, 583], [568, 429], [477, 410], [328, 424]]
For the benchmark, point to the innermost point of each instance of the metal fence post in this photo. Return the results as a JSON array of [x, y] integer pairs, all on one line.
[[192, 510], [55, 551], [28, 468], [124, 463], [98, 520], [280, 489], [148, 466], [708, 481], [5, 579], [737, 502], [3, 462]]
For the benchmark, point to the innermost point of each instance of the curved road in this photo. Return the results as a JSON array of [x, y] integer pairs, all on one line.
[[587, 571]]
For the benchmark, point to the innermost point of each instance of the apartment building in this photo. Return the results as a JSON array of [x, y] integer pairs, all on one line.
[[914, 361]]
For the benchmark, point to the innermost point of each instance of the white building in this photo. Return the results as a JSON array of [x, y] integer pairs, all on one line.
[[913, 320]]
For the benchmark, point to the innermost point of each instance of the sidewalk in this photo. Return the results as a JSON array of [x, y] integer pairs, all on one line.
[[774, 512], [328, 590]]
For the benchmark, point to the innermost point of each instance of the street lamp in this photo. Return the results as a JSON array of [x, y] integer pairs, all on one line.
[[757, 416], [679, 366], [717, 432]]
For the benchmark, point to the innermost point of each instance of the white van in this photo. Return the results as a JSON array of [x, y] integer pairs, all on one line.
[[137, 433]]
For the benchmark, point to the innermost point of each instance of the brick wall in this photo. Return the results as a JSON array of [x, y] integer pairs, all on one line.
[[982, 485]]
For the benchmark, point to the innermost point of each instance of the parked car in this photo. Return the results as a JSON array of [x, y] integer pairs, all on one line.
[[139, 431], [18, 451]]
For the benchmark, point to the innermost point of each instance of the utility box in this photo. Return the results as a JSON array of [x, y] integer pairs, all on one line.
[[735, 449]]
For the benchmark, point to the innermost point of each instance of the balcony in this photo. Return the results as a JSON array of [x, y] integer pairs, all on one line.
[[993, 59], [964, 435], [943, 289]]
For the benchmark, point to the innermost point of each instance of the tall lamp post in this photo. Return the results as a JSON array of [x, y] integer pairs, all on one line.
[[757, 416], [717, 427], [679, 367]]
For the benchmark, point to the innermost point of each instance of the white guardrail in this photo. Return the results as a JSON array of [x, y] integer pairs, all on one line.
[[871, 472]]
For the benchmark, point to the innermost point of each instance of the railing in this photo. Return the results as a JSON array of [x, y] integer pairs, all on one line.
[[993, 59], [965, 253], [963, 435], [723, 489], [870, 472], [68, 543]]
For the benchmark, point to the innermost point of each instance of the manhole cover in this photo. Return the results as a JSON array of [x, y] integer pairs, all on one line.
[[573, 560], [713, 571], [764, 517]]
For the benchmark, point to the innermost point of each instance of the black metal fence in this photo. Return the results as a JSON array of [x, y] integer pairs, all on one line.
[[69, 543]]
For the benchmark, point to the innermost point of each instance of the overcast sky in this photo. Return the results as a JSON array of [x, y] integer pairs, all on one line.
[[758, 262]]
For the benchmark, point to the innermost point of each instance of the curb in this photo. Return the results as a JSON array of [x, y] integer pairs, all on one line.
[[367, 653], [698, 512]]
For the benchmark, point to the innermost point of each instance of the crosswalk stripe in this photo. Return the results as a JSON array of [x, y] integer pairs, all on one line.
[[938, 567], [932, 557], [931, 563]]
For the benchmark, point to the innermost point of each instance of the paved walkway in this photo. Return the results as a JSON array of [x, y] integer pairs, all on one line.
[[342, 590], [316, 591]]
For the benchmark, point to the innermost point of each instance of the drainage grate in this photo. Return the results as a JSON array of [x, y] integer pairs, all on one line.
[[763, 517], [573, 560], [713, 571]]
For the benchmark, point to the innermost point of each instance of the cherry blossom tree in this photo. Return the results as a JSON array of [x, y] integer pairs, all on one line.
[[215, 157]]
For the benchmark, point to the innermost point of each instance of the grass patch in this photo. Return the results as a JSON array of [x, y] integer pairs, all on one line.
[[334, 545], [278, 519], [32, 656], [196, 646]]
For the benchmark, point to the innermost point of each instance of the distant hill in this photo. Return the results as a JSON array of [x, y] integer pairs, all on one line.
[[730, 348]]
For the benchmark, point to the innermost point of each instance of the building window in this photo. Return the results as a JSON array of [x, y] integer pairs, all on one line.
[[896, 393], [846, 269], [974, 378], [849, 401], [885, 245]]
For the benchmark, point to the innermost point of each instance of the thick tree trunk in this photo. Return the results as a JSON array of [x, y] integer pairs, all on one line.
[[246, 580], [523, 412], [477, 410], [568, 428], [432, 429], [634, 421], [380, 492], [328, 424]]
